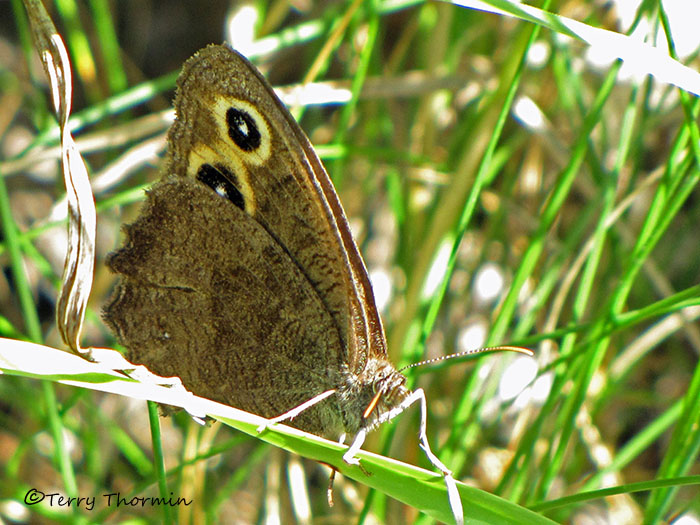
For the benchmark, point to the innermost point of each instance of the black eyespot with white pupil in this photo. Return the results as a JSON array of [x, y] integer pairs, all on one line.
[[242, 129], [223, 182]]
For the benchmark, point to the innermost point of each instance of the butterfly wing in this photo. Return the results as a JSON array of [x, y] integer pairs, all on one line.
[[241, 275], [206, 294], [232, 125]]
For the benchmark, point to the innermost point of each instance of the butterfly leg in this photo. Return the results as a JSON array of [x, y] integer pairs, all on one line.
[[417, 395], [350, 456], [450, 483], [329, 490], [291, 414]]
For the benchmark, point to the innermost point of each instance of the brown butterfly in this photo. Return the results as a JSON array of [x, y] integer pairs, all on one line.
[[241, 275]]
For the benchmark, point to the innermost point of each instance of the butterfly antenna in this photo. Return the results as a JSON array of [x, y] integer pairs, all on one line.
[[506, 348]]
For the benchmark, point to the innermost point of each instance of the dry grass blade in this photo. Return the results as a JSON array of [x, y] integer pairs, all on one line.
[[80, 258]]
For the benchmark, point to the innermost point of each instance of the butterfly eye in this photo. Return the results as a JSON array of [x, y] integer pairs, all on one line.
[[222, 181], [243, 129]]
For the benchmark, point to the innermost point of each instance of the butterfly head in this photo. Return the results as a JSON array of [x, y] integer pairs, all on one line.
[[369, 396]]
